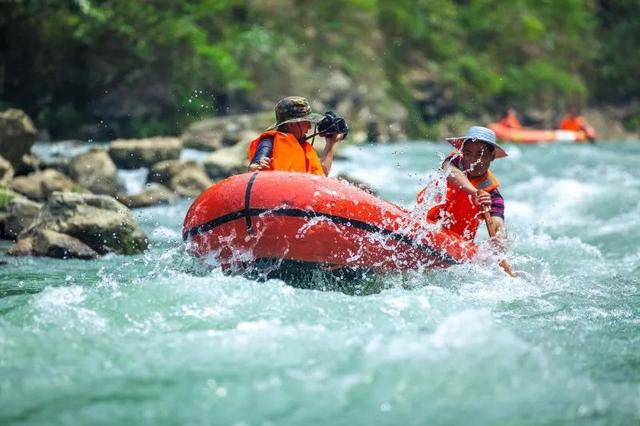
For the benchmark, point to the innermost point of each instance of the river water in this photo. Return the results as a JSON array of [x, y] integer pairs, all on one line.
[[145, 340]]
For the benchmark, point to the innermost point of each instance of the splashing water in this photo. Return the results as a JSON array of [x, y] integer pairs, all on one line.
[[151, 339]]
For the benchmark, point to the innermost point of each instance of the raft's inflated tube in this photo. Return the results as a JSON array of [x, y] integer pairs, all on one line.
[[312, 219], [532, 136]]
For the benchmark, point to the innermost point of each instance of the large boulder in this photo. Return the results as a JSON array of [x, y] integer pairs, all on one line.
[[6, 197], [21, 213], [17, 135], [61, 246], [152, 195], [29, 163], [229, 161], [38, 186], [164, 171], [98, 221], [185, 178], [190, 183], [136, 153], [95, 171], [6, 172], [215, 133], [3, 219]]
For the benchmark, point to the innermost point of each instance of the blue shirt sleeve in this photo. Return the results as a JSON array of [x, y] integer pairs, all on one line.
[[265, 148]]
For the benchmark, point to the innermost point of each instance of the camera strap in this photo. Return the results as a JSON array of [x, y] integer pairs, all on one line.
[[316, 133], [313, 135]]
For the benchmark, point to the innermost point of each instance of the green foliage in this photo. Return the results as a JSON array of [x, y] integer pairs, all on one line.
[[632, 121], [77, 188], [473, 82], [146, 67], [6, 195], [617, 62], [544, 83]]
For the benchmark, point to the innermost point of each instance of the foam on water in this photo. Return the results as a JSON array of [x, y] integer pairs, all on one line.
[[151, 339]]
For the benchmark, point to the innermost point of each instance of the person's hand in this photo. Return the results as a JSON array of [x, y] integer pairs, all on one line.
[[483, 200], [333, 139], [264, 164]]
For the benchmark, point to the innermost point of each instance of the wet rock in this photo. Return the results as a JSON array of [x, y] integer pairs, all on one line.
[[40, 185], [3, 219], [61, 246], [216, 133], [22, 247], [95, 171], [190, 183], [20, 214], [229, 161], [185, 178], [152, 195], [6, 172], [17, 135], [29, 163], [136, 153], [98, 221], [6, 197], [164, 171]]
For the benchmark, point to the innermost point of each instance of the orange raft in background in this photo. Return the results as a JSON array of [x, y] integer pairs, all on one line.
[[307, 219], [531, 136]]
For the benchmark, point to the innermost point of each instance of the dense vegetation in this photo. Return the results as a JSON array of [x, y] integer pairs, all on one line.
[[142, 67]]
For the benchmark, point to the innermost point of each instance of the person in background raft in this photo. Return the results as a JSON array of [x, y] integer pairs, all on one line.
[[283, 146], [576, 123], [472, 189], [510, 119]]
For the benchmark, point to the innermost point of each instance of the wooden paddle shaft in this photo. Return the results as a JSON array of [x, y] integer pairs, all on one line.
[[492, 232]]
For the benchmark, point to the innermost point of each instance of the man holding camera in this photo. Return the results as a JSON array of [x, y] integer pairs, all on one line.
[[284, 145]]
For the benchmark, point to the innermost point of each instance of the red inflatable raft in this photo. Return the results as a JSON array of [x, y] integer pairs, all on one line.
[[531, 136], [304, 218]]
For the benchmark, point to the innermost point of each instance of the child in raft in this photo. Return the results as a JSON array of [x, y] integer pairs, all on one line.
[[284, 146], [472, 189]]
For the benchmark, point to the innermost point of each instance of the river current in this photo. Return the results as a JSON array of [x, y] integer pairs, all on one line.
[[146, 340]]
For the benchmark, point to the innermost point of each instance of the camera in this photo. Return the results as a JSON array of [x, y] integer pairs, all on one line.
[[331, 125]]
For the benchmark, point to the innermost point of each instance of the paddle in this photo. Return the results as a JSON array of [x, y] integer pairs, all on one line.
[[503, 263]]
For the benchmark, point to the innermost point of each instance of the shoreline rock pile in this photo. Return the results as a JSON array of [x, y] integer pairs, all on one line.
[[75, 207]]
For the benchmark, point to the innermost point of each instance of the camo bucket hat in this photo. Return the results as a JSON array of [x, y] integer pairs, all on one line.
[[294, 109]]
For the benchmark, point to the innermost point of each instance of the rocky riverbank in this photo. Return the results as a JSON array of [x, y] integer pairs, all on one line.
[[73, 206]]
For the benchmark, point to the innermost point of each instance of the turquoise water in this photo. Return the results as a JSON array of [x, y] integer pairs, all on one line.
[[144, 340]]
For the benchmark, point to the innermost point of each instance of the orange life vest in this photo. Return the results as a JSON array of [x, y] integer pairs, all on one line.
[[460, 213], [510, 120], [574, 123], [289, 154], [577, 123]]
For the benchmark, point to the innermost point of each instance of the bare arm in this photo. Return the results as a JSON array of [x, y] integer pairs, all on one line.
[[458, 178], [327, 154], [496, 223]]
